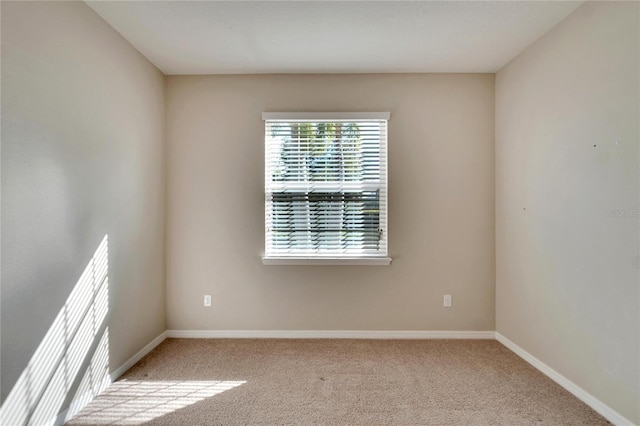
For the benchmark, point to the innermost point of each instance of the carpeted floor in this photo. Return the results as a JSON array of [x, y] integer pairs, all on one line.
[[335, 382]]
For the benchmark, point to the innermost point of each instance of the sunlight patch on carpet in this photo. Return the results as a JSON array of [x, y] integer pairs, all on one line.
[[135, 402]]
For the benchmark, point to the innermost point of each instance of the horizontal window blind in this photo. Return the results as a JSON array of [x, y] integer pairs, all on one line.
[[325, 185]]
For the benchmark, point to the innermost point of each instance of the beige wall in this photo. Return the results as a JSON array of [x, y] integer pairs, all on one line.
[[441, 229], [82, 157], [567, 200]]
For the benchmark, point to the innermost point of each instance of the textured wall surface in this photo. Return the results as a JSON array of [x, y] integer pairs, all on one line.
[[567, 200], [82, 158], [441, 220]]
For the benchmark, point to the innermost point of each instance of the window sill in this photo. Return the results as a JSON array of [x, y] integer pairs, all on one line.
[[327, 261]]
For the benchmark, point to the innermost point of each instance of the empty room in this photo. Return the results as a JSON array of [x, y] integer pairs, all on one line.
[[320, 212]]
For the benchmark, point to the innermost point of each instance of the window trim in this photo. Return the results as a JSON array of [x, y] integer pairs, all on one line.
[[329, 260], [310, 116]]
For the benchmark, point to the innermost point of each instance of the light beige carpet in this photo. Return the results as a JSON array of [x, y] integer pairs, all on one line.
[[335, 382]]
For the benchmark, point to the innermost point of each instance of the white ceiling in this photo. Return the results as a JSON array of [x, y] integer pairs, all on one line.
[[244, 37]]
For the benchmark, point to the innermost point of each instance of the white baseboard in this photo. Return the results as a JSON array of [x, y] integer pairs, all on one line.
[[138, 356], [328, 334], [604, 410]]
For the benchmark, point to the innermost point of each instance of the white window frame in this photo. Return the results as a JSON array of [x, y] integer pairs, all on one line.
[[365, 259]]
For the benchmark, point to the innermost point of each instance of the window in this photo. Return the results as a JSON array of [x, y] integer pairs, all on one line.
[[326, 188]]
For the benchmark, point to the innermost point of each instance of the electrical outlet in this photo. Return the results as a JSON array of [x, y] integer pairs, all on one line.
[[207, 300], [446, 302]]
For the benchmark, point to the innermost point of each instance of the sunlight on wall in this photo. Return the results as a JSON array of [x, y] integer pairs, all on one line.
[[96, 377], [136, 402], [77, 336]]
